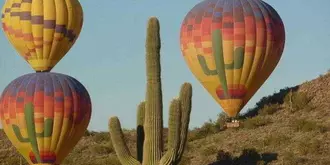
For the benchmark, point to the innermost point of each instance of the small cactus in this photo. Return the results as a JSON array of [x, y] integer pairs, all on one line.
[[150, 116]]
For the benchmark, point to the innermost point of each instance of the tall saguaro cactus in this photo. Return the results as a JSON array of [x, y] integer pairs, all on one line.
[[150, 115]]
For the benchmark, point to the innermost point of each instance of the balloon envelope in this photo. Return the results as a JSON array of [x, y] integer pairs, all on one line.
[[42, 31], [44, 115], [232, 46]]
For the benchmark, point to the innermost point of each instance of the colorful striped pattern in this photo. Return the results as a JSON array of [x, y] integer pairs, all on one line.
[[232, 47], [42, 31], [44, 115]]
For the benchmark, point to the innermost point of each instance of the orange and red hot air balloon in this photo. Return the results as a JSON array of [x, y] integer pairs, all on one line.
[[44, 115], [232, 47]]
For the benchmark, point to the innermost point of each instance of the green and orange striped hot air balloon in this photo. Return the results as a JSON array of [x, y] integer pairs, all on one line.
[[232, 47], [44, 115], [42, 31]]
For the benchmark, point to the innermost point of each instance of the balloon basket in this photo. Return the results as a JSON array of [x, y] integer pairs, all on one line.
[[233, 124]]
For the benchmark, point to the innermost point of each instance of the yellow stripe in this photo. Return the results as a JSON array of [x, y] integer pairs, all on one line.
[[27, 29], [67, 124], [61, 19], [5, 20], [49, 14], [256, 62], [72, 16], [57, 129], [15, 24], [37, 30]]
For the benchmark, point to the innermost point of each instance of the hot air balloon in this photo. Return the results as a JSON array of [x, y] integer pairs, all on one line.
[[42, 31], [232, 47], [44, 115]]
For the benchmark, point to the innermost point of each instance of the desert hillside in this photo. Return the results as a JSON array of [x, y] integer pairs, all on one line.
[[288, 128]]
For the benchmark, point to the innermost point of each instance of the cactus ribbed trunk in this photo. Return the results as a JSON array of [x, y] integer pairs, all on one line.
[[150, 116], [185, 99], [154, 109]]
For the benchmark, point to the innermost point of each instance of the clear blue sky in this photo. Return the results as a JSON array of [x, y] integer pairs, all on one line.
[[109, 56]]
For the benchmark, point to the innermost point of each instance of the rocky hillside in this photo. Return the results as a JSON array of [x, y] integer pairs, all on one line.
[[288, 128]]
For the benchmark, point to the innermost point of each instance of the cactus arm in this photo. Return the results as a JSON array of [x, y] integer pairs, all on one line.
[[140, 131], [174, 126], [153, 125], [185, 100], [18, 134], [29, 118], [207, 71], [117, 138], [48, 128], [238, 59]]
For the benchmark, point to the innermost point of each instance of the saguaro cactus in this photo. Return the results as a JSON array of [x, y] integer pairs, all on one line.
[[150, 115]]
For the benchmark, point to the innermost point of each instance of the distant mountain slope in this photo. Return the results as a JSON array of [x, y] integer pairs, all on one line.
[[288, 128]]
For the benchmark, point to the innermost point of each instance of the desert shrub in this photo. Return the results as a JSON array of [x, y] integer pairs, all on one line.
[[251, 123], [210, 150], [306, 126], [111, 160], [261, 162], [290, 158], [222, 155], [185, 160], [89, 133], [80, 148], [248, 156], [275, 140], [269, 109], [101, 149], [14, 161], [307, 146], [101, 137], [297, 101], [207, 128], [221, 121]]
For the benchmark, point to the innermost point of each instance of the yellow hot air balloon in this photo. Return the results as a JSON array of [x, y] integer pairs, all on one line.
[[42, 31], [232, 47]]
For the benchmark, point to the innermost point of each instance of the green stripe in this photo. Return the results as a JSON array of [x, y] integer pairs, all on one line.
[[29, 117], [238, 59], [218, 57], [207, 71]]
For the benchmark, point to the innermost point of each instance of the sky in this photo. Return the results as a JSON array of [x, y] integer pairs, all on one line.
[[109, 56]]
